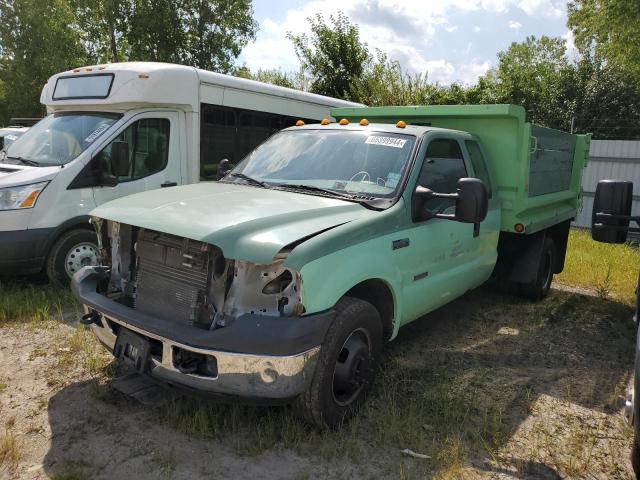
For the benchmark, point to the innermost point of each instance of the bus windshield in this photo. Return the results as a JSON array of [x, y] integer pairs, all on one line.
[[58, 138], [356, 162]]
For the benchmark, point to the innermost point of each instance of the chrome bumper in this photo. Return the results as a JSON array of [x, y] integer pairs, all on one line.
[[245, 375]]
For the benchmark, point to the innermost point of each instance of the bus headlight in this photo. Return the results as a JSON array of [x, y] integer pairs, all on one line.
[[23, 196]]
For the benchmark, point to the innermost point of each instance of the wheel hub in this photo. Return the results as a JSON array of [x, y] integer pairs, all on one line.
[[80, 255], [352, 368]]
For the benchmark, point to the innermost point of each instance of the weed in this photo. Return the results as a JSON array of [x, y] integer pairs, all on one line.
[[10, 450], [24, 302]]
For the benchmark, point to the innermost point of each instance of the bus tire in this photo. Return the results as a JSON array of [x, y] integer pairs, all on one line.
[[346, 367], [70, 252]]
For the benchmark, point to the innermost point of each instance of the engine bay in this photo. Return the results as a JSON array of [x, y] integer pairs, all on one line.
[[191, 282]]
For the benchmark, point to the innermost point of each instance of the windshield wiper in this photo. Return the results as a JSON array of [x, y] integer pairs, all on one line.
[[311, 188], [31, 163], [249, 179]]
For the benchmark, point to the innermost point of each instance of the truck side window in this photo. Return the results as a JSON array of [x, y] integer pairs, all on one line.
[[148, 141], [443, 166], [479, 164]]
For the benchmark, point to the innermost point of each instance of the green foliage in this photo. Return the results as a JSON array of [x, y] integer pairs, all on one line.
[[36, 39], [333, 55], [39, 39], [608, 29], [216, 31], [272, 76]]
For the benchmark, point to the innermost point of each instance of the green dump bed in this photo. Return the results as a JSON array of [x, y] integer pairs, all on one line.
[[538, 170]]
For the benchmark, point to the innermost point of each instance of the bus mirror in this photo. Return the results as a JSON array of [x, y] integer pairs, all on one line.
[[224, 167], [472, 202], [611, 211], [120, 159]]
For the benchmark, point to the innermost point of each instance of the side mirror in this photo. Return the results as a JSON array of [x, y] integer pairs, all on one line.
[[224, 167], [120, 159], [611, 211], [472, 202]]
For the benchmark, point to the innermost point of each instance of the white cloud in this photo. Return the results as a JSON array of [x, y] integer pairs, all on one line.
[[572, 51], [401, 30]]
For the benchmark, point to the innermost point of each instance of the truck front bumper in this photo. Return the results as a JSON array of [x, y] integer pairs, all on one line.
[[269, 359]]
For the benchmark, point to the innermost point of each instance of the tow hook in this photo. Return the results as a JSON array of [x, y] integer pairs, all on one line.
[[90, 318]]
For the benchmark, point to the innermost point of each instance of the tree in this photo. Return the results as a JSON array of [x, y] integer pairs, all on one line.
[[37, 39], [333, 55], [103, 27], [155, 31], [608, 29], [272, 76], [216, 32], [532, 74]]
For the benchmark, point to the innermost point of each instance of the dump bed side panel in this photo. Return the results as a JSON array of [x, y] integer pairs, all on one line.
[[538, 170], [550, 161]]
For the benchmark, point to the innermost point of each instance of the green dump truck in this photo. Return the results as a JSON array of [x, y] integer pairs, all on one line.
[[281, 282]]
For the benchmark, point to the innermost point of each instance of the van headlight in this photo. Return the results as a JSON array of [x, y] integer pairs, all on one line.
[[23, 196]]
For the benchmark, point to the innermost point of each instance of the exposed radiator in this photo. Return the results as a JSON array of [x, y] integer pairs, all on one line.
[[172, 275]]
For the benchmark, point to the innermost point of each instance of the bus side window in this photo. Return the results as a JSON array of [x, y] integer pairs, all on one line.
[[218, 126]]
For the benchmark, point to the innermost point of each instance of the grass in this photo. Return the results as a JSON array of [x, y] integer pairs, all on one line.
[[26, 302], [611, 270], [458, 386], [10, 450], [454, 388]]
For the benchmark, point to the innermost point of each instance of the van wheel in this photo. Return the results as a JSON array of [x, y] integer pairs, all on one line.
[[346, 367], [75, 249], [539, 288]]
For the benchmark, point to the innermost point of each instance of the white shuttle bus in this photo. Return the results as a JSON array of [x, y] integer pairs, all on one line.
[[175, 123]]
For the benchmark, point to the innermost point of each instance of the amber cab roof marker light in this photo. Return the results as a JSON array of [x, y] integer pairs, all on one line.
[[364, 122], [401, 124], [299, 123], [325, 121], [344, 121], [143, 76]]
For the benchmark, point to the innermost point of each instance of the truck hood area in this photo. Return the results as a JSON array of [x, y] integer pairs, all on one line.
[[12, 175], [247, 223]]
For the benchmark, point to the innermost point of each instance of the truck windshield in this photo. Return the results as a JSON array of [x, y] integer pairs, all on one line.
[[358, 162], [58, 138]]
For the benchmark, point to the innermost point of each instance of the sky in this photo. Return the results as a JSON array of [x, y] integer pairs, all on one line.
[[451, 40]]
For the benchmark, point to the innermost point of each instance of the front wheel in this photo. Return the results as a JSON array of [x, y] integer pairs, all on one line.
[[75, 249], [347, 365]]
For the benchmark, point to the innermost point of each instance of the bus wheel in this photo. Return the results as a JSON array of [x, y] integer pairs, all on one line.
[[346, 367], [75, 249]]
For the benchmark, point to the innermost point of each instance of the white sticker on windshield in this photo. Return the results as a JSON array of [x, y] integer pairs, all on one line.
[[392, 180], [93, 135], [386, 141]]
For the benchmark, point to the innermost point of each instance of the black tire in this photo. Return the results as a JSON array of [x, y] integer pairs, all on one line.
[[539, 287], [80, 238], [327, 403]]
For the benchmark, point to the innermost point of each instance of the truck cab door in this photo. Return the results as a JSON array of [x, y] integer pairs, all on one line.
[[442, 260], [154, 141]]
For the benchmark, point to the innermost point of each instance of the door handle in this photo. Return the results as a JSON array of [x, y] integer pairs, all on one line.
[[169, 184]]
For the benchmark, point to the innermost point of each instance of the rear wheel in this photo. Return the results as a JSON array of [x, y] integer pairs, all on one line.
[[346, 367], [75, 249], [539, 287]]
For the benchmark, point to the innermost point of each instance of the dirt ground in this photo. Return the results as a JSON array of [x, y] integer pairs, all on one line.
[[487, 387]]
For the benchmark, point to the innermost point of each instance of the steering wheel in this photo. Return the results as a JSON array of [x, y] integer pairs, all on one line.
[[365, 176]]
